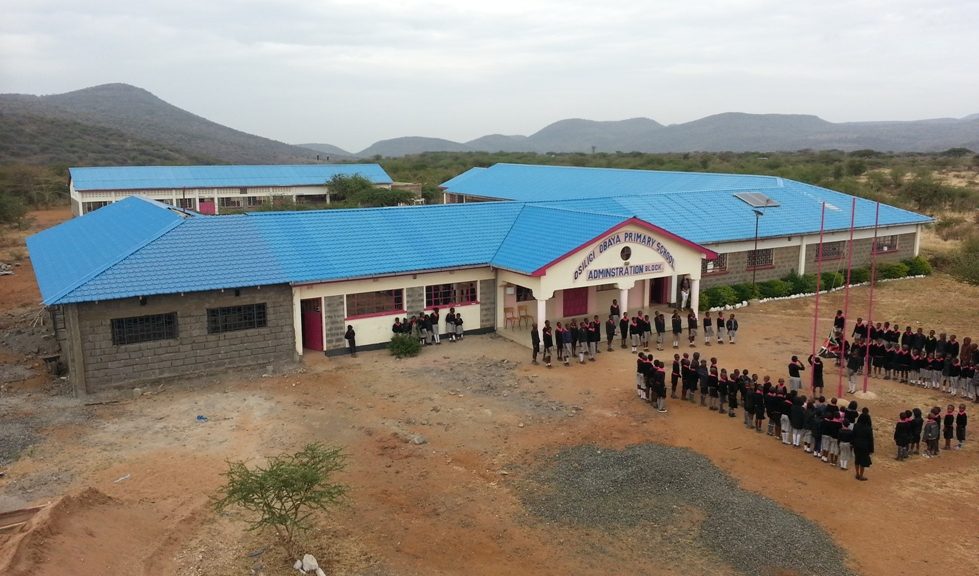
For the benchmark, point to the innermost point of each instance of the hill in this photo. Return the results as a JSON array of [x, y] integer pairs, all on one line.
[[135, 115], [728, 132], [328, 151]]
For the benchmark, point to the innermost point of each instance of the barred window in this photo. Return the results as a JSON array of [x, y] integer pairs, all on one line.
[[450, 294], [144, 328], [368, 303], [524, 294], [189, 203], [760, 258], [715, 266], [832, 250], [226, 202], [232, 318], [886, 244], [92, 206]]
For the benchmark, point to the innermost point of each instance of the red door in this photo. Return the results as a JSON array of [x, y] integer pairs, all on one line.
[[312, 323], [575, 302], [206, 206]]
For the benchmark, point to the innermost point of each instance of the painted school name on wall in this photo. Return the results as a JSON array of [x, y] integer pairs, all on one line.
[[615, 240], [619, 271]]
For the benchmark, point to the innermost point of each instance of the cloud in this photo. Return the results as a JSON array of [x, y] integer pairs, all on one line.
[[351, 72]]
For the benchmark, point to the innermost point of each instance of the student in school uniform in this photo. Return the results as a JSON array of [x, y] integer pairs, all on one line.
[[839, 322], [641, 371], [723, 383], [594, 337], [703, 378], [969, 380], [708, 323], [575, 337], [450, 324], [931, 342], [733, 389], [931, 433], [846, 445], [831, 433], [713, 377], [685, 376], [610, 326], [785, 409], [951, 352], [351, 337], [954, 373], [948, 426], [567, 342], [460, 331], [758, 399], [584, 346], [917, 424], [674, 375], [660, 385], [436, 331], [914, 368], [660, 321], [635, 330], [559, 340], [624, 329], [732, 328], [647, 332], [918, 342], [677, 325], [692, 328], [877, 352], [797, 419], [534, 342], [902, 434], [961, 421], [613, 311], [548, 334], [853, 365]]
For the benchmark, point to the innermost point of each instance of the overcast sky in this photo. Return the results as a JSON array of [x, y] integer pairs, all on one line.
[[353, 72]]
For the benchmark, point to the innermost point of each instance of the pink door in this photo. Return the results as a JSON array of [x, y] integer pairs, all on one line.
[[312, 324], [575, 302], [206, 206]]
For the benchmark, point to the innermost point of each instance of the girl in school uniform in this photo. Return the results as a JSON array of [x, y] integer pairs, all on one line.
[[723, 384], [712, 383], [720, 327], [677, 326], [948, 426], [902, 434], [624, 329], [758, 399], [460, 332], [917, 424], [708, 328]]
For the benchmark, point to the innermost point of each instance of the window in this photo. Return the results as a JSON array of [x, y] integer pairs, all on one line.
[[232, 318], [760, 259], [144, 328], [188, 203], [367, 303], [832, 250], [450, 294], [90, 206], [229, 202], [524, 294], [715, 266], [254, 200], [886, 244]]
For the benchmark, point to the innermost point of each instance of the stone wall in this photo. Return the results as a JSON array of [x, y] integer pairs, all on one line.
[[105, 365], [487, 304], [861, 254], [333, 314]]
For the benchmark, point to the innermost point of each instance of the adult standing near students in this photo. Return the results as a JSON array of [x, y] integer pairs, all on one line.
[[351, 337], [863, 443], [684, 292]]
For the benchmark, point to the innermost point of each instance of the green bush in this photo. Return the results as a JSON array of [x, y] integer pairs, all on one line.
[[831, 280], [746, 292], [775, 288], [403, 346], [889, 271], [705, 301], [801, 284], [964, 262], [859, 275], [918, 266], [722, 296]]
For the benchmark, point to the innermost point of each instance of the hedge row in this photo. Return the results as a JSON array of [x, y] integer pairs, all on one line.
[[796, 284]]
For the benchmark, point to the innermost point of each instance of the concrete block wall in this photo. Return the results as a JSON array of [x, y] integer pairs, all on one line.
[[784, 260], [194, 352], [487, 303], [861, 254], [333, 315]]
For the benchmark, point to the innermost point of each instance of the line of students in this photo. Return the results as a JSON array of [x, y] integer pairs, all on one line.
[[911, 427], [425, 327], [939, 362]]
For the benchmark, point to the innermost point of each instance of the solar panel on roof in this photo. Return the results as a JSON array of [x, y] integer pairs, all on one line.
[[756, 199]]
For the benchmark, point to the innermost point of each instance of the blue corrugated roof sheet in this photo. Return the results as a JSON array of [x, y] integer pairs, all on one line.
[[137, 247], [66, 256], [167, 177], [534, 183]]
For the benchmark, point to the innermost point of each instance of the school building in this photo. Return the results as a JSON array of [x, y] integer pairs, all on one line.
[[141, 291], [212, 189]]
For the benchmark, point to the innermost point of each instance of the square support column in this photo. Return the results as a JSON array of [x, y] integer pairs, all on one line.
[[695, 295], [802, 257], [624, 300], [541, 316]]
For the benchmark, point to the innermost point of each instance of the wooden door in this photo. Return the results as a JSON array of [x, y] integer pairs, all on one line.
[[575, 302], [312, 314]]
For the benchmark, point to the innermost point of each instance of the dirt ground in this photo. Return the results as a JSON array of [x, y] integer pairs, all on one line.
[[130, 481]]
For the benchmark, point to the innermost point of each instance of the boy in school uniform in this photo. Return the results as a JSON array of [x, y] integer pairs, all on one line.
[[713, 377], [961, 421], [635, 329], [675, 375], [759, 398], [647, 332], [641, 375], [846, 445], [719, 322], [723, 383], [610, 326], [902, 434], [624, 329], [703, 378], [613, 311], [436, 331], [708, 323], [937, 363], [948, 425], [660, 321], [677, 325], [931, 432], [692, 328], [460, 331], [732, 328], [548, 334], [659, 383], [566, 342]]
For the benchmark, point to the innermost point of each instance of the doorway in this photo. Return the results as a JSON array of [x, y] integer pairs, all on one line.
[[659, 291], [312, 314], [575, 302]]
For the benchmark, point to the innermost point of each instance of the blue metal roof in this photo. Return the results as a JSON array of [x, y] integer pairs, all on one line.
[[68, 255], [137, 247], [542, 234], [534, 183], [167, 177]]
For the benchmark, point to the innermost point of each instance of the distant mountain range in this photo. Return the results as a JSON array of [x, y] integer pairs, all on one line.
[[123, 124]]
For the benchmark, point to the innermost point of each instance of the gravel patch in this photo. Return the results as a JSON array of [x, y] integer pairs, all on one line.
[[650, 488], [17, 433]]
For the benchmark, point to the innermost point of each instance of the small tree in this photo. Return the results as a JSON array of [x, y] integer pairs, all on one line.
[[286, 493]]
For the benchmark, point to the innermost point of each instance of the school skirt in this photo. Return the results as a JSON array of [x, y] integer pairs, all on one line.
[[861, 457]]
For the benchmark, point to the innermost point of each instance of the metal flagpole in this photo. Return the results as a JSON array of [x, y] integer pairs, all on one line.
[[870, 312], [819, 275], [846, 295]]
